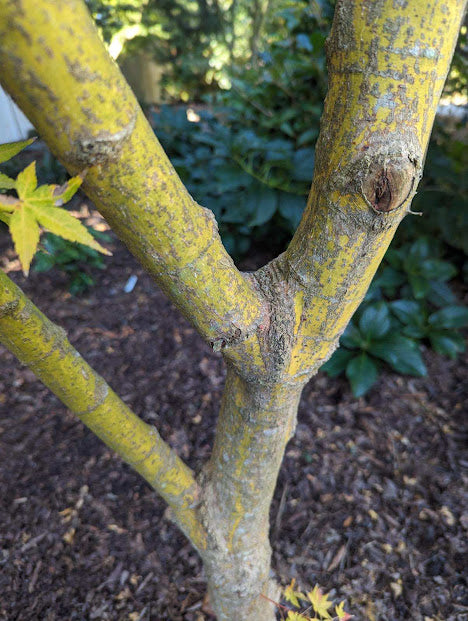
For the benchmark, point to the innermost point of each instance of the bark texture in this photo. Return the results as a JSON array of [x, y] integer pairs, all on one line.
[[387, 64]]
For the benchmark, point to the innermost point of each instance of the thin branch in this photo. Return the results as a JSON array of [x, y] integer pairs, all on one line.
[[381, 101], [45, 349], [59, 72]]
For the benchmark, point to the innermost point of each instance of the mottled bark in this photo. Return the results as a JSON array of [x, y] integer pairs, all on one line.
[[387, 64], [255, 422]]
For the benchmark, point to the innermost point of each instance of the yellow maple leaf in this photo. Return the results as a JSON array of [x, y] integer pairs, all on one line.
[[297, 616], [291, 595], [341, 613], [320, 602]]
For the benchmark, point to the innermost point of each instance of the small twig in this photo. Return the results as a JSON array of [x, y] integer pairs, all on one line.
[[282, 606]]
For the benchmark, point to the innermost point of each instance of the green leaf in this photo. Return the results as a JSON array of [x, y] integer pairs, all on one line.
[[6, 183], [80, 283], [5, 217], [394, 258], [303, 164], [434, 269], [338, 362], [320, 602], [25, 233], [441, 294], [415, 332], [408, 312], [43, 262], [26, 181], [62, 223], [401, 353], [374, 294], [421, 249], [64, 193], [41, 196], [351, 337], [287, 129], [291, 207], [303, 42], [447, 343], [9, 150], [266, 201], [375, 321], [307, 137], [450, 317], [419, 285], [362, 373], [389, 278]]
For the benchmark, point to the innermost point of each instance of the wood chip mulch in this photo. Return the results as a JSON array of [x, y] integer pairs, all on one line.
[[371, 501]]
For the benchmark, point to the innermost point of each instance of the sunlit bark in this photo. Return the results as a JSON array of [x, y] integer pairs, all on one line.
[[388, 61]]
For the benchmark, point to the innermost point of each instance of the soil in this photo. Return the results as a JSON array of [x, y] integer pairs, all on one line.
[[370, 504]]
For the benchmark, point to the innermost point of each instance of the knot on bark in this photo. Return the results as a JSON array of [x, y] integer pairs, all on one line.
[[383, 173], [91, 150], [388, 184]]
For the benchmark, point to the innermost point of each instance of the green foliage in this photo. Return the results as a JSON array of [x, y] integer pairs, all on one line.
[[37, 207], [75, 260], [112, 15], [10, 149], [457, 80], [417, 269], [180, 35], [274, 107], [442, 193], [251, 161], [388, 330], [201, 152]]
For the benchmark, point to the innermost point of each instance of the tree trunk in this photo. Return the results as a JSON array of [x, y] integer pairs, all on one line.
[[256, 421], [387, 65]]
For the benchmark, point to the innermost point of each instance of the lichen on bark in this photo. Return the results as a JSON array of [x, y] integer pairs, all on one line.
[[387, 65]]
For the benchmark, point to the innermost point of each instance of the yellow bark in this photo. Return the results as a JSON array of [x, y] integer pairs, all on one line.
[[57, 69], [387, 64], [45, 349]]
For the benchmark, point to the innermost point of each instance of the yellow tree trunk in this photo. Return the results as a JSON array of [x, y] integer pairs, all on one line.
[[388, 61]]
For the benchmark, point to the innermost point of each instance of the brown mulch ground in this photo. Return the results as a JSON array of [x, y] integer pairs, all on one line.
[[370, 501]]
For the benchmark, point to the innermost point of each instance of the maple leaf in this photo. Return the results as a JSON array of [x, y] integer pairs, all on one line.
[[291, 595], [8, 150], [297, 616], [6, 183], [320, 602], [341, 613], [38, 206]]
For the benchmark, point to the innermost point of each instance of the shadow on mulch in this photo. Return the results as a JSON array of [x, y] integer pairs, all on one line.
[[370, 502]]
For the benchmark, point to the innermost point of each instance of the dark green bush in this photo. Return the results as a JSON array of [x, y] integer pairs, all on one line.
[[388, 330], [442, 193]]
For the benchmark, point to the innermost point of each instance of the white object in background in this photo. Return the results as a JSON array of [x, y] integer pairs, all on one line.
[[13, 124], [131, 282]]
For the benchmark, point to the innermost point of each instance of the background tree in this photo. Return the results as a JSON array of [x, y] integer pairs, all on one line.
[[275, 327]]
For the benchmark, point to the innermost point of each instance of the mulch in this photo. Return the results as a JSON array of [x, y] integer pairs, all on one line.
[[371, 501]]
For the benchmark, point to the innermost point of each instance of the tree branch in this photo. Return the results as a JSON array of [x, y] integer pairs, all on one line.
[[44, 348], [388, 62], [58, 71]]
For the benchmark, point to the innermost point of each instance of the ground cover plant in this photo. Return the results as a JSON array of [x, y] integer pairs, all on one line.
[[275, 327]]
